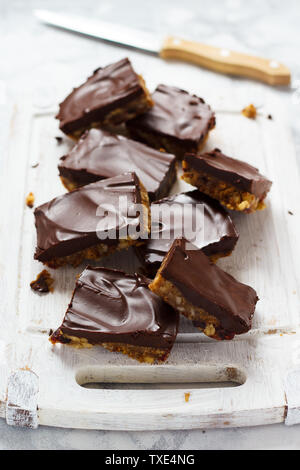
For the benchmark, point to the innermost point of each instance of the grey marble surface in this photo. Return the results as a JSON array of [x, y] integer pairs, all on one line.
[[32, 55]]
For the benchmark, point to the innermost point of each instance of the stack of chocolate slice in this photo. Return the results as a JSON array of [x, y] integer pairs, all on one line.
[[128, 145]]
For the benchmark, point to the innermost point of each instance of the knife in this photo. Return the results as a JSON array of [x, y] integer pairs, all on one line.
[[218, 59]]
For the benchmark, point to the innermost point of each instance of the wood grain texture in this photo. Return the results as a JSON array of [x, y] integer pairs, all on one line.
[[226, 61], [266, 258], [292, 389]]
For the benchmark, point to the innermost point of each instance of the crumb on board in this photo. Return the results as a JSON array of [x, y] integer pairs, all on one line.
[[43, 283], [58, 139], [270, 117], [30, 200], [290, 212], [187, 397], [250, 111], [35, 165]]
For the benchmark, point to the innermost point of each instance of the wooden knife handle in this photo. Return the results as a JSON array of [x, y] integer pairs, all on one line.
[[226, 61]]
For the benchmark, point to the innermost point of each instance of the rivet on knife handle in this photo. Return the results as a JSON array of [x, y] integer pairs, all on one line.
[[226, 61]]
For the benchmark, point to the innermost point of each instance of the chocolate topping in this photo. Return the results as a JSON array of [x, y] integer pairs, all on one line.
[[69, 223], [236, 172], [100, 154], [111, 306], [219, 234], [207, 286], [107, 89], [177, 114]]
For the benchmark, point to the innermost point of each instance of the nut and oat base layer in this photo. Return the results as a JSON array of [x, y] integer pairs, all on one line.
[[173, 296], [68, 184], [139, 353], [229, 196]]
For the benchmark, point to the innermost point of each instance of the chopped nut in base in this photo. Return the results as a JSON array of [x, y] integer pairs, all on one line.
[[173, 296]]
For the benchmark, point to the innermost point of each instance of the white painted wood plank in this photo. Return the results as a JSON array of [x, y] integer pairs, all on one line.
[[13, 183]]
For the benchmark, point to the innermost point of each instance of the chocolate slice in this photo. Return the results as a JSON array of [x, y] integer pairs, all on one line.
[[218, 233], [100, 154], [118, 311], [178, 121], [236, 184], [216, 302], [92, 221], [111, 96]]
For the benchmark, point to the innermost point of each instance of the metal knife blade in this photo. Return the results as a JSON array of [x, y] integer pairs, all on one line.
[[108, 32]]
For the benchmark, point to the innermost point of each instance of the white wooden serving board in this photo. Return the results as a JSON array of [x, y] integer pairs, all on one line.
[[41, 384]]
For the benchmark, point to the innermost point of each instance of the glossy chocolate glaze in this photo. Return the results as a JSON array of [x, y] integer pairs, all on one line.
[[176, 114], [111, 306], [108, 88], [69, 223], [207, 286], [100, 154], [240, 174], [220, 234]]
